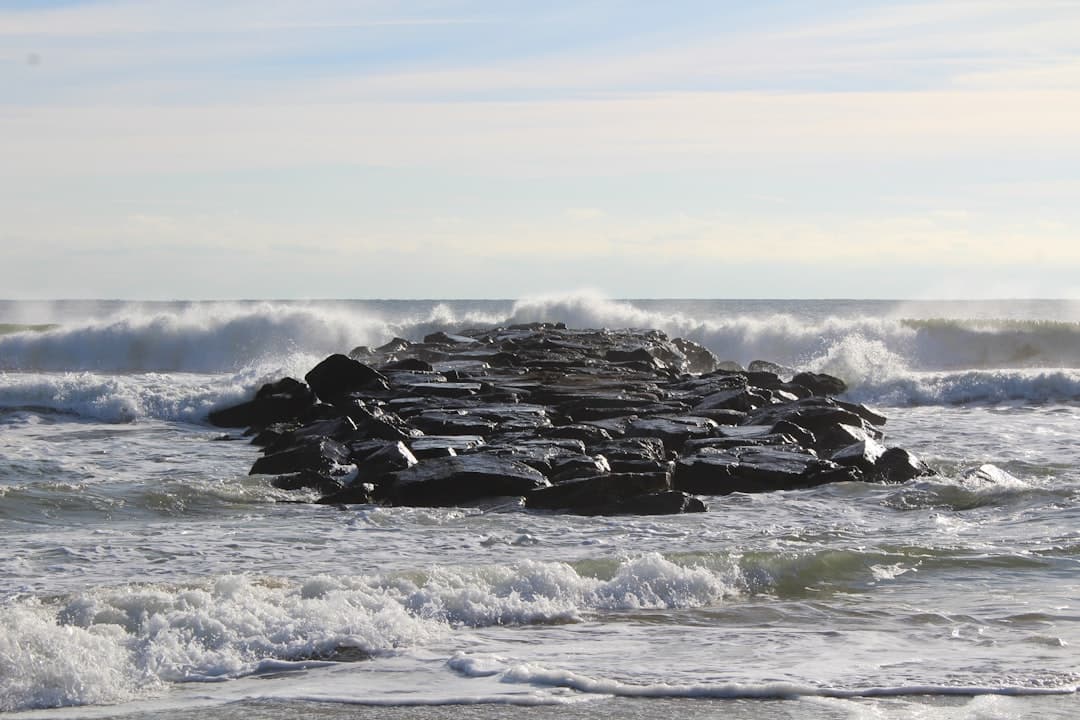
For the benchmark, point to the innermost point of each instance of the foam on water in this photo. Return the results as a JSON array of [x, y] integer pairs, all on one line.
[[533, 674], [114, 644]]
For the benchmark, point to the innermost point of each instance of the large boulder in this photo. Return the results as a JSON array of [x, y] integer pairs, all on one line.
[[897, 465], [275, 402], [338, 375]]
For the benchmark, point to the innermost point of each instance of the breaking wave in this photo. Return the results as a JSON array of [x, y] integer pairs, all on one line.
[[887, 360]]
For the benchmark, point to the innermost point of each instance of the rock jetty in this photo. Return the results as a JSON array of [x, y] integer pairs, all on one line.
[[594, 422]]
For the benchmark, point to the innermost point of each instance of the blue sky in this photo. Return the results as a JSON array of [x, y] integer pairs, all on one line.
[[196, 149]]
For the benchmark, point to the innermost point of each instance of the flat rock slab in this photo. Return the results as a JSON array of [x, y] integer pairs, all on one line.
[[591, 493], [450, 481], [754, 470]]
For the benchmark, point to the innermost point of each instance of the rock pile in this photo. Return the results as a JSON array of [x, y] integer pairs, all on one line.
[[582, 421]]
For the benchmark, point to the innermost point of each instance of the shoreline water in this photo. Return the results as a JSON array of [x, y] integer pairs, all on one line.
[[142, 555]]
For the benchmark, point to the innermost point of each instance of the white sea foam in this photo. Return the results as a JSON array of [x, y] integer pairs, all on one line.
[[534, 674], [127, 398], [115, 644]]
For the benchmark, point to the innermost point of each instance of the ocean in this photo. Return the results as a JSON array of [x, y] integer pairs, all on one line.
[[144, 573]]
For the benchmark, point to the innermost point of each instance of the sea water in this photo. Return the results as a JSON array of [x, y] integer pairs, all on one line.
[[144, 573]]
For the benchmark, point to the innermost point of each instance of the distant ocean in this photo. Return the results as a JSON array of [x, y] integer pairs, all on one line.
[[144, 573]]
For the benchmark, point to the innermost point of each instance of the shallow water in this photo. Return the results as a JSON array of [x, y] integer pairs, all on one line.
[[145, 573]]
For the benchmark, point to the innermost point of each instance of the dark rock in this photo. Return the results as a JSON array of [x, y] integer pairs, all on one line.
[[639, 354], [649, 449], [771, 368], [695, 445], [543, 456], [741, 399], [308, 480], [339, 429], [833, 438], [405, 379], [871, 416], [457, 480], [355, 494], [722, 417], [671, 502], [442, 338], [897, 465], [798, 433], [615, 426], [338, 375], [273, 403], [371, 467], [434, 446], [408, 364], [699, 359], [862, 456], [585, 433], [394, 346], [754, 470], [444, 389], [442, 422], [318, 454], [272, 433], [674, 431], [820, 383], [589, 493], [510, 409], [817, 415], [567, 468]]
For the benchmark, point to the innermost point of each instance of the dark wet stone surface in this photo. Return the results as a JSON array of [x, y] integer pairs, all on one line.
[[589, 421]]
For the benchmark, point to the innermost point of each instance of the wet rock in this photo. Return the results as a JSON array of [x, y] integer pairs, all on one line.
[[432, 446], [671, 502], [443, 338], [897, 465], [275, 402], [338, 375], [673, 431], [742, 399], [355, 494], [373, 465], [443, 422], [754, 470], [394, 346], [318, 454], [768, 367], [862, 456], [308, 480], [504, 411], [567, 468], [340, 429], [590, 494], [820, 383], [458, 480], [699, 360], [585, 433]]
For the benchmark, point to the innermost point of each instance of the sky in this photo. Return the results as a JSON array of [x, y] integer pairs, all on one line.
[[197, 149]]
